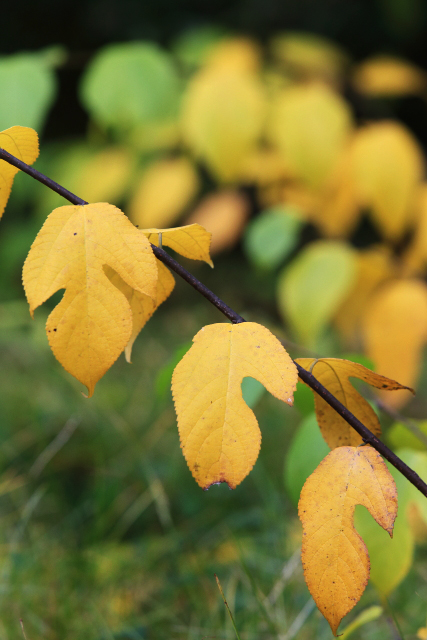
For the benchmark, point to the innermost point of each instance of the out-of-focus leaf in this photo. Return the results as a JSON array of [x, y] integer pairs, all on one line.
[[309, 56], [22, 142], [312, 287], [306, 452], [263, 167], [416, 255], [235, 54], [271, 237], [401, 437], [28, 85], [311, 125], [368, 615], [304, 400], [193, 46], [191, 241], [223, 114], [166, 188], [130, 84], [389, 76], [164, 376], [374, 266], [416, 460], [395, 330], [252, 391], [388, 166], [224, 214]]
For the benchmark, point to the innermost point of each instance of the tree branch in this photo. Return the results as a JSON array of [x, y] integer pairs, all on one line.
[[305, 376]]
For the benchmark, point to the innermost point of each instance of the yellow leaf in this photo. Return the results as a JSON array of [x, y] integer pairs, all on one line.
[[224, 214], [422, 633], [235, 54], [191, 241], [219, 433], [92, 324], [387, 166], [23, 143], [389, 76], [167, 187], [334, 556], [222, 119], [416, 256], [264, 166], [395, 330], [374, 266], [310, 124], [334, 374], [142, 306]]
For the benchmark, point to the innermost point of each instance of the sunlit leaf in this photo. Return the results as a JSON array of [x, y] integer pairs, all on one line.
[[334, 556], [334, 374], [389, 76], [219, 434], [388, 166], [311, 125], [222, 119], [130, 84], [191, 241], [23, 143], [166, 188], [395, 330], [271, 236], [312, 287], [224, 214], [92, 324]]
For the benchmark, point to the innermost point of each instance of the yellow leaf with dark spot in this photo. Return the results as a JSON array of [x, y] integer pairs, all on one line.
[[92, 324], [191, 241], [23, 143], [219, 433], [334, 556], [334, 374]]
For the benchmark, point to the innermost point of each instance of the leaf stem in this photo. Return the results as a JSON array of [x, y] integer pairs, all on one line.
[[305, 376]]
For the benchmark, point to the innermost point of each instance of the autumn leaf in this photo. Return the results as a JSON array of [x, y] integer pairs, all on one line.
[[334, 556], [92, 324], [334, 374], [235, 54], [220, 437], [389, 76], [191, 241], [23, 143]]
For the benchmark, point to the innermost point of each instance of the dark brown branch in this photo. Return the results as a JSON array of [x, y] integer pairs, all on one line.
[[308, 378]]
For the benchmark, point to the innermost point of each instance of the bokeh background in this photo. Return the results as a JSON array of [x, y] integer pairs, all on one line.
[[296, 132]]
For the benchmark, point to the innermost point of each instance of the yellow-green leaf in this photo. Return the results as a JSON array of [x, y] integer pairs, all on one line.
[[23, 143], [334, 374], [191, 241], [334, 556], [92, 324], [219, 433]]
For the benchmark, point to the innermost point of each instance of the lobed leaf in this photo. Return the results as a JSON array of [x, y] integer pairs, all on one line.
[[334, 556], [92, 324], [220, 437], [23, 143]]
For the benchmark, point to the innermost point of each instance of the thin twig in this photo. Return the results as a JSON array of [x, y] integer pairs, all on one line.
[[367, 436]]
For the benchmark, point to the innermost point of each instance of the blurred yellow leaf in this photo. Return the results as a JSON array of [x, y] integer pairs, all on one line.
[[191, 241], [422, 633], [395, 330], [388, 76], [224, 214], [235, 54], [334, 556], [374, 266], [334, 374], [222, 119], [166, 188], [264, 166], [415, 258], [92, 324], [312, 287], [23, 143], [309, 56], [310, 124], [219, 433], [388, 166]]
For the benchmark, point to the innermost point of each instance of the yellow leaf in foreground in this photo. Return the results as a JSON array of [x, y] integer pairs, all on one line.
[[389, 76], [219, 433], [167, 187], [388, 166], [23, 143], [334, 374], [224, 214], [92, 324], [191, 241], [334, 556], [395, 331]]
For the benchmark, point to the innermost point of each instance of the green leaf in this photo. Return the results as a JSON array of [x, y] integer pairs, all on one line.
[[271, 237], [312, 287], [28, 87], [305, 453], [252, 391], [132, 84], [399, 436], [368, 615], [193, 46]]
